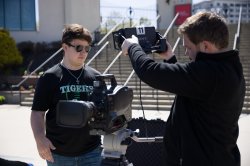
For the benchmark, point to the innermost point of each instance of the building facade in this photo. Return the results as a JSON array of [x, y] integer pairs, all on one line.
[[43, 20], [230, 9], [167, 9]]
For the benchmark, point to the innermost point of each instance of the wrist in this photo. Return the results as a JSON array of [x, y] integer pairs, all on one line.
[[169, 57], [170, 60]]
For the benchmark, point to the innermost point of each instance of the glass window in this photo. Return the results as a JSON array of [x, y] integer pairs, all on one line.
[[28, 15], [1, 14], [12, 15], [17, 14]]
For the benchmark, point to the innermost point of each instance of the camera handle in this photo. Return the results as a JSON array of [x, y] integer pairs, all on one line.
[[115, 146], [110, 77]]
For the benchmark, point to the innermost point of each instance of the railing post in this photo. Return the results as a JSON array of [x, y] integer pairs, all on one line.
[[237, 34]]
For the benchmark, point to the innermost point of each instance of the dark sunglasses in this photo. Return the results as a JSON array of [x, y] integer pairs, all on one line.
[[79, 48]]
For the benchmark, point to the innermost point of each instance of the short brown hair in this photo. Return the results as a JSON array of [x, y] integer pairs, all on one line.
[[207, 26], [75, 31]]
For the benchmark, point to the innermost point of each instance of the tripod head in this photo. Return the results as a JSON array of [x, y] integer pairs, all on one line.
[[115, 146]]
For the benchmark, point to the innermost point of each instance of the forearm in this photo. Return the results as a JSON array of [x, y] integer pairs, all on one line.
[[44, 145], [38, 124]]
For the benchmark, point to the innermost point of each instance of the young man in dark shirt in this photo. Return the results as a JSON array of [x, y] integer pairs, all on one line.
[[68, 80], [202, 128]]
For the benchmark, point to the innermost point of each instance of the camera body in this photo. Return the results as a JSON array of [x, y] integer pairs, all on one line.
[[149, 39], [108, 111]]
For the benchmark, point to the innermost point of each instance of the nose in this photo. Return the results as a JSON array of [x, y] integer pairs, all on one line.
[[83, 51]]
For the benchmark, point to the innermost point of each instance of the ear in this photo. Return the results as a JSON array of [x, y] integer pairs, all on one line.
[[207, 47], [64, 46]]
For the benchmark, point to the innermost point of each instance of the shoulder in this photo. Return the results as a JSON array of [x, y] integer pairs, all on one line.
[[52, 74], [56, 69], [91, 71]]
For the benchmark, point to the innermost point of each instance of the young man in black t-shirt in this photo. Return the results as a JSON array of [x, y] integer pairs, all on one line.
[[68, 80]]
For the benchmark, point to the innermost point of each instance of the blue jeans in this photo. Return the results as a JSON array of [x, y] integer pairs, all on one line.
[[92, 158]]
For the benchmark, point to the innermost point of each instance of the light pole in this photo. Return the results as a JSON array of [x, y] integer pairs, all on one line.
[[130, 13]]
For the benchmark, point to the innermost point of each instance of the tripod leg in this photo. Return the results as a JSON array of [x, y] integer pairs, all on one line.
[[122, 161], [125, 162]]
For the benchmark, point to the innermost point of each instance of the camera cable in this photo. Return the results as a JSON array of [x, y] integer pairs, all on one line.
[[143, 111]]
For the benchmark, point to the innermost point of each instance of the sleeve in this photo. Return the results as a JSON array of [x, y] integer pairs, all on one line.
[[171, 60], [192, 79], [44, 92]]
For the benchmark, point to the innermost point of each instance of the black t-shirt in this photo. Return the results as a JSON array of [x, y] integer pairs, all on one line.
[[58, 84]]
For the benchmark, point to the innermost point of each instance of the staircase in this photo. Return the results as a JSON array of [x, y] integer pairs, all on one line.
[[155, 99], [244, 48]]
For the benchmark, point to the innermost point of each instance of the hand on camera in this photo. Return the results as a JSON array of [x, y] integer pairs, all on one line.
[[167, 54], [127, 42]]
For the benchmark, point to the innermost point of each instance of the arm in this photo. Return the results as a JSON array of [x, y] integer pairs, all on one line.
[[167, 55], [192, 79], [44, 145]]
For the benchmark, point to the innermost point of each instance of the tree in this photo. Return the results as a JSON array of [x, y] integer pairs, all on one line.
[[9, 54], [145, 21], [114, 18]]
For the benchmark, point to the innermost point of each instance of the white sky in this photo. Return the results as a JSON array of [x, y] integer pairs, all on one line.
[[138, 3], [144, 8]]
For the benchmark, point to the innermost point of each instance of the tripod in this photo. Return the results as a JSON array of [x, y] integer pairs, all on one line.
[[115, 146]]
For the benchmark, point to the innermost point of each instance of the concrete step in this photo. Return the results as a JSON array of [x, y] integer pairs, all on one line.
[[26, 103]]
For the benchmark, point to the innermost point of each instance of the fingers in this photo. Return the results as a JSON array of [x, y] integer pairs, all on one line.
[[125, 48], [168, 53], [44, 147], [52, 146], [127, 42], [135, 39], [47, 155]]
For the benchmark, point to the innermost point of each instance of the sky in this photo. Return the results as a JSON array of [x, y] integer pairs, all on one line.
[[141, 8]]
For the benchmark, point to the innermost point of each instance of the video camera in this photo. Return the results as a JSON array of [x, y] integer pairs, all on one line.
[[108, 111], [149, 39]]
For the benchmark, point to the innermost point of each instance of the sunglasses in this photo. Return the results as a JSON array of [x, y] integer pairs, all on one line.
[[79, 48]]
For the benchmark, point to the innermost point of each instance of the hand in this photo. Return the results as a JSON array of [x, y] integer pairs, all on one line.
[[127, 42], [44, 147], [167, 54]]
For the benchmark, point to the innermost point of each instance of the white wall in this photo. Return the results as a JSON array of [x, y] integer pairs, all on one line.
[[84, 12], [54, 14], [166, 12]]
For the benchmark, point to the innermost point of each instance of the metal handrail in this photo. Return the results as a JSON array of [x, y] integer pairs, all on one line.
[[110, 31], [98, 52], [237, 34], [176, 43], [21, 82], [171, 24], [117, 56]]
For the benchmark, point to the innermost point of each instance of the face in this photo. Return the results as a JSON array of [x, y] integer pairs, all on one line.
[[76, 52], [190, 48]]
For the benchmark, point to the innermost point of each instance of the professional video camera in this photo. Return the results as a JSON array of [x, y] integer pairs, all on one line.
[[149, 39], [107, 114], [108, 111]]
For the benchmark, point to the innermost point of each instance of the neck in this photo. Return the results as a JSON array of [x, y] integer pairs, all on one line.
[[70, 66]]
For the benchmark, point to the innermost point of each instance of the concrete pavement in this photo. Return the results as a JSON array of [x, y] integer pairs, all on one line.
[[17, 142]]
